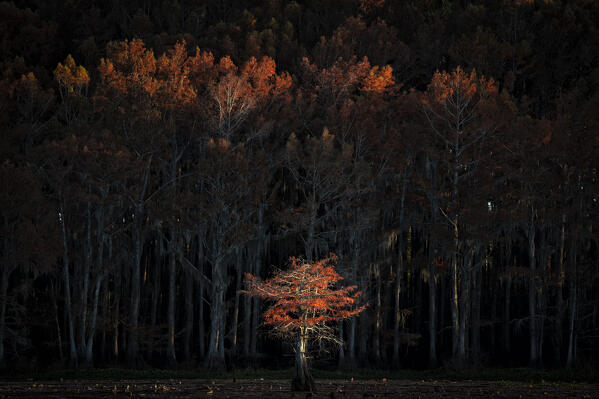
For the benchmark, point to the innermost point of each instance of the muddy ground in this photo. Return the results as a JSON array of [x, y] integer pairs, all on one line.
[[338, 389]]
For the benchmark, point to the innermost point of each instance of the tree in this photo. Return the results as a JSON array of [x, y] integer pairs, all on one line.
[[305, 301], [462, 110]]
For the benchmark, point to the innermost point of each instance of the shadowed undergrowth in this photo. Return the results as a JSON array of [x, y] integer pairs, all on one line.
[[486, 374]]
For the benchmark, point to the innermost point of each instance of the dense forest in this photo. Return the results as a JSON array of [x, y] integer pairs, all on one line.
[[153, 152]]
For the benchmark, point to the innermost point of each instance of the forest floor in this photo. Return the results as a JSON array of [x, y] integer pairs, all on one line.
[[116, 383], [279, 388]]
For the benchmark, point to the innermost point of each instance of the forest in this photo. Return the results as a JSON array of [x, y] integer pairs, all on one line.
[[154, 152]]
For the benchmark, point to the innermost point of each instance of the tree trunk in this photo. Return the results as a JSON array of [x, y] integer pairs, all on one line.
[[84, 292], [201, 326], [432, 307], [507, 342], [302, 380], [216, 353], [464, 308], [573, 299], [171, 356], [378, 309], [561, 305], [235, 321], [3, 299], [133, 344], [455, 321], [476, 298], [117, 312], [532, 293], [156, 292], [399, 271], [355, 253], [58, 330], [67, 288], [89, 356], [187, 348]]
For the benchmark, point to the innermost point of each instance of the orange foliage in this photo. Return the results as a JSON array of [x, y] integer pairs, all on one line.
[[304, 297], [70, 77]]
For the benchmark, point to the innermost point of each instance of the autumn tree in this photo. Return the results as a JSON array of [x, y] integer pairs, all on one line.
[[305, 302], [461, 111]]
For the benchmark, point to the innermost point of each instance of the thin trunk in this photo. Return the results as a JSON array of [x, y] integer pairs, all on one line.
[[84, 292], [432, 307], [355, 253], [117, 312], [455, 321], [455, 295], [156, 292], [201, 326], [187, 348], [89, 355], [106, 294], [561, 305], [216, 354], [133, 344], [58, 330], [138, 240], [378, 327], [476, 305], [573, 304], [399, 271], [171, 357], [464, 309], [237, 297], [532, 293], [3, 298], [507, 342], [67, 290], [100, 267]]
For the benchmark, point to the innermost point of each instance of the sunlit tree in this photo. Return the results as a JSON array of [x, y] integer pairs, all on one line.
[[305, 302]]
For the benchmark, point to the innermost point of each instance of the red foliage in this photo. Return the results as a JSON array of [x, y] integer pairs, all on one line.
[[305, 298]]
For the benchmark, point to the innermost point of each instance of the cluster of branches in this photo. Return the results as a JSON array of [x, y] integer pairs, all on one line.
[[138, 192]]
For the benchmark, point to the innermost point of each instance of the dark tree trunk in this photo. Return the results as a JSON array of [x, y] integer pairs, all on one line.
[[476, 305], [235, 321], [3, 297], [507, 342], [378, 310], [573, 298], [432, 307], [302, 380], [201, 321], [532, 293], [399, 270], [67, 289], [171, 356], [187, 348], [84, 292], [216, 351], [133, 332]]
